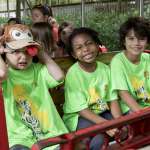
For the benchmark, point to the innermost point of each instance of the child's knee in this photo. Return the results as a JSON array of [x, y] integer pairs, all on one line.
[[19, 147], [97, 142]]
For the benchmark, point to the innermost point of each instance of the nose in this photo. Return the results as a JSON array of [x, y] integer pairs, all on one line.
[[23, 55], [137, 41], [85, 48]]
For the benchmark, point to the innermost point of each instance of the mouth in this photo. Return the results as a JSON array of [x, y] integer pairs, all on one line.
[[88, 56], [138, 48], [22, 64]]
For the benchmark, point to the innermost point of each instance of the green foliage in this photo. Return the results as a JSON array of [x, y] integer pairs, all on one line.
[[106, 24], [3, 20], [147, 11], [74, 18]]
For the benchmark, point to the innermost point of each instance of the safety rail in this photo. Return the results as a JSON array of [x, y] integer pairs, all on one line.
[[138, 124], [3, 129]]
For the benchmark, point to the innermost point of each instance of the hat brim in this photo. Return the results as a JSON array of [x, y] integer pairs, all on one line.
[[19, 44]]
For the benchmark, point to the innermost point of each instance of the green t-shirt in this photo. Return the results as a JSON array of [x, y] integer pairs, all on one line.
[[135, 78], [30, 112], [86, 90]]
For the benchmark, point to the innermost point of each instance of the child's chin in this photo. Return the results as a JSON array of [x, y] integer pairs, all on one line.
[[22, 67]]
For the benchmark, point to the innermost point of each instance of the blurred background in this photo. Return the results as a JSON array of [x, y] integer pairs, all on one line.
[[105, 16]]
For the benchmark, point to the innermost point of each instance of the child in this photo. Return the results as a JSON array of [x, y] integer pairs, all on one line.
[[30, 111], [130, 69], [12, 21], [43, 13], [64, 31], [87, 87]]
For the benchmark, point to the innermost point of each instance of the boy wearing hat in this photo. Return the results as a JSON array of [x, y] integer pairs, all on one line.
[[30, 112]]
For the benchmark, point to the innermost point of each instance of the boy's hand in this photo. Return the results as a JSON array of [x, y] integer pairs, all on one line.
[[52, 21], [43, 56], [3, 50], [112, 132]]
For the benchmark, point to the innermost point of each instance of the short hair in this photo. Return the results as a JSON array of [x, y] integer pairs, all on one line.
[[140, 26], [84, 30], [17, 20], [44, 9], [62, 26]]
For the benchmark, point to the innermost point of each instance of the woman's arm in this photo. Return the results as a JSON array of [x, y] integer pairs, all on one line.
[[129, 100], [52, 67]]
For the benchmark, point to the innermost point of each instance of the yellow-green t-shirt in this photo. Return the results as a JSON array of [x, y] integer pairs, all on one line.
[[135, 78], [86, 90], [30, 112]]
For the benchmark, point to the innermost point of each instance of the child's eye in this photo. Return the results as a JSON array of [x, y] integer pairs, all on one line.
[[89, 43], [142, 38], [131, 38], [15, 52], [78, 48]]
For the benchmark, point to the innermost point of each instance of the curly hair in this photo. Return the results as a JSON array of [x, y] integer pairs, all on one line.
[[141, 27]]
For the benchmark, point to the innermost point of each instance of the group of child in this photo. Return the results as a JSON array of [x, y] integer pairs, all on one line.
[[94, 92]]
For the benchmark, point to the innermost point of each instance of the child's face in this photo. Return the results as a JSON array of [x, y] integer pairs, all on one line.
[[37, 16], [65, 33], [135, 45], [84, 48], [18, 60]]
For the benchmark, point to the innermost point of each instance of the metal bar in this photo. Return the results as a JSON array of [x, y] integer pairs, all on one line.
[[141, 8], [82, 12], [8, 8], [67, 141]]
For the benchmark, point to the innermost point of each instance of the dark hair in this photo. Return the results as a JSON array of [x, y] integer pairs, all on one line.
[[140, 26], [62, 26], [44, 9], [42, 32], [84, 30], [17, 20]]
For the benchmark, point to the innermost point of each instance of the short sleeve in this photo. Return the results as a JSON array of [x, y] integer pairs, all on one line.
[[111, 94], [48, 79], [118, 75]]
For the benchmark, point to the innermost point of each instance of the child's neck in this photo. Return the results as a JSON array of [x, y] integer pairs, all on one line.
[[135, 59], [88, 67]]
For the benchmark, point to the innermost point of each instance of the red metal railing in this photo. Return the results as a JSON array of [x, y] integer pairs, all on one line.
[[138, 133], [3, 129]]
